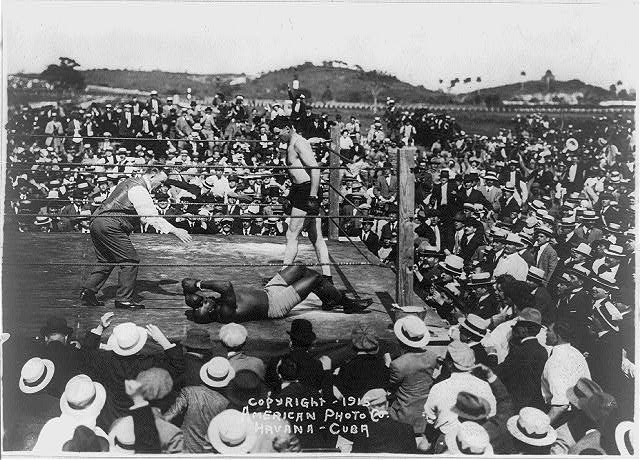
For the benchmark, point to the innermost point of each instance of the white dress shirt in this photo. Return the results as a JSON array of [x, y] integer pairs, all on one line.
[[563, 369], [144, 206], [513, 265]]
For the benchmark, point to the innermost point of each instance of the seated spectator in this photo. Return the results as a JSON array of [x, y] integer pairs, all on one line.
[[234, 336], [366, 370], [198, 404], [197, 345], [532, 432]]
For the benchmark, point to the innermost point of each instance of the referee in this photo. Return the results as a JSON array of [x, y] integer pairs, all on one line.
[[110, 235]]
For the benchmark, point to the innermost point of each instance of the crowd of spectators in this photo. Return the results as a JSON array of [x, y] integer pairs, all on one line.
[[524, 246]]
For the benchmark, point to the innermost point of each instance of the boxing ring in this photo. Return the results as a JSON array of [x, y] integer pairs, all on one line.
[[42, 273]]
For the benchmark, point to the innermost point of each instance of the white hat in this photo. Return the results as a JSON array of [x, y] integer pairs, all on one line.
[[610, 314], [571, 144], [583, 249], [475, 325], [82, 397], [614, 250], [233, 335], [532, 426], [217, 372], [35, 375], [127, 339], [626, 430], [470, 439], [122, 436], [412, 331], [535, 273], [232, 432], [453, 264]]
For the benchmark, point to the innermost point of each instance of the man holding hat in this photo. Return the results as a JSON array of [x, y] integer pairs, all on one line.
[[546, 257]]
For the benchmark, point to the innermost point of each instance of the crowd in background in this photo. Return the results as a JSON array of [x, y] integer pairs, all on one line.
[[524, 245]]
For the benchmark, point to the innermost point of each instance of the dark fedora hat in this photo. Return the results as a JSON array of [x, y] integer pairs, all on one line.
[[85, 440], [197, 339], [471, 407], [56, 324], [244, 386], [302, 332]]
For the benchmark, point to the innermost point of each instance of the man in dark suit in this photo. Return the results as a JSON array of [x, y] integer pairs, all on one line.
[[369, 237], [508, 203], [521, 371], [471, 240], [233, 208], [301, 338], [109, 121], [75, 208], [546, 256], [470, 194], [485, 301], [387, 184]]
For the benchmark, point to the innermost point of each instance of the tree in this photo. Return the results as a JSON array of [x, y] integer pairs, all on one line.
[[523, 74], [375, 83], [478, 79], [613, 90], [548, 78], [64, 75]]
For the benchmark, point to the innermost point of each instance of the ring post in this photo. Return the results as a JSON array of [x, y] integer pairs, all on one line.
[[334, 179], [406, 202]]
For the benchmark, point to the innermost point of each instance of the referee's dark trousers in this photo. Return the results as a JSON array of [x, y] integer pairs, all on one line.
[[110, 236]]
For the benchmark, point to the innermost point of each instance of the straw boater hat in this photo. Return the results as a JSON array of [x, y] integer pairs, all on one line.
[[583, 249], [411, 331], [509, 187], [127, 339], [614, 251], [462, 356], [232, 432], [588, 216], [544, 230], [469, 439], [453, 265], [513, 240], [605, 280], [568, 222], [475, 325], [480, 279], [532, 426], [35, 375], [217, 372], [82, 398], [535, 274]]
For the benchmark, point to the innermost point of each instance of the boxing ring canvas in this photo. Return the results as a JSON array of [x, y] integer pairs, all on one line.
[[42, 276]]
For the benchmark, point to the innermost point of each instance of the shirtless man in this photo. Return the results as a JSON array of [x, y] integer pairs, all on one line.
[[303, 195], [237, 304]]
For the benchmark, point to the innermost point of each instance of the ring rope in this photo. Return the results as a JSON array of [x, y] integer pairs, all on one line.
[[148, 139], [189, 216], [351, 241], [31, 164], [130, 264]]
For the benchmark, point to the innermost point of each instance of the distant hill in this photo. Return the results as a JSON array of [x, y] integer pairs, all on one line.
[[339, 82], [571, 91], [326, 82]]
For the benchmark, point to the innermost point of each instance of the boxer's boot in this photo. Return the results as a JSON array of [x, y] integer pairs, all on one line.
[[327, 293], [354, 304], [88, 298]]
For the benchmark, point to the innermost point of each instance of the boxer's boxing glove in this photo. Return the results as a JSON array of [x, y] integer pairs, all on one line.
[[194, 300], [189, 286]]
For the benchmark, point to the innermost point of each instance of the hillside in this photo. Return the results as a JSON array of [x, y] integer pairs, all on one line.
[[571, 91], [343, 84], [323, 83]]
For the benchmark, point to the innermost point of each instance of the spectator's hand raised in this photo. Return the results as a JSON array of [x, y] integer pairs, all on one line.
[[105, 320], [158, 336]]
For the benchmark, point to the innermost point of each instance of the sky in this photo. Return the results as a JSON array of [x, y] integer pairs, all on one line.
[[420, 43]]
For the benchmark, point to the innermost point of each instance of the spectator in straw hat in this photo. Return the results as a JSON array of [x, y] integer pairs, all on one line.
[[459, 361], [470, 438], [546, 257], [31, 406], [80, 404], [367, 369], [543, 300], [532, 431], [232, 433], [473, 330], [198, 404], [521, 370], [486, 302], [511, 262], [125, 361], [234, 336], [412, 372]]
